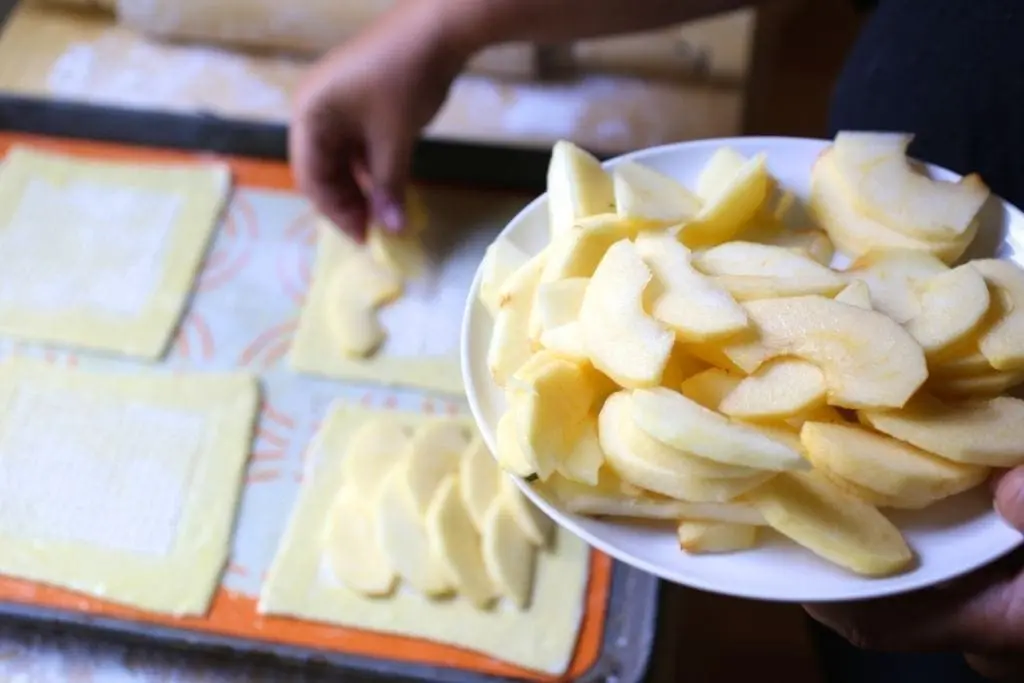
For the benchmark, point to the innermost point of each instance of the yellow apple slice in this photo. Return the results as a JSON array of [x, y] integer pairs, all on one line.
[[578, 250], [712, 354], [810, 242], [353, 548], [778, 389], [501, 260], [664, 471], [558, 308], [903, 475], [952, 306], [700, 537], [358, 287], [361, 278], [989, 433], [355, 327], [577, 187], [965, 361], [709, 388], [681, 366], [855, 234], [760, 271], [584, 460], [644, 194], [868, 360], [402, 253], [718, 172], [729, 201], [676, 421], [533, 523], [510, 455], [889, 190], [510, 344], [372, 450], [856, 294], [624, 342], [403, 538], [690, 304], [1002, 343], [841, 528], [456, 542], [978, 386], [826, 414], [612, 498], [433, 454], [894, 278], [479, 480], [508, 555]]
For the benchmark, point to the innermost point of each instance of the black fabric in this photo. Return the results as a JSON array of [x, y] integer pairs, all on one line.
[[952, 73]]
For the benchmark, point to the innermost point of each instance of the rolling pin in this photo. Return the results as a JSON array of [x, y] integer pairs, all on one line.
[[301, 27]]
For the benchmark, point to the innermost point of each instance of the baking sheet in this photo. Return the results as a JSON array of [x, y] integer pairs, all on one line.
[[243, 315]]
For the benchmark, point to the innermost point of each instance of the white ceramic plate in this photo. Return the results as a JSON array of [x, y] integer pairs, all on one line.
[[950, 538]]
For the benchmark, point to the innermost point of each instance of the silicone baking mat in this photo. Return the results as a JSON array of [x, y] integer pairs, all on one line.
[[243, 314]]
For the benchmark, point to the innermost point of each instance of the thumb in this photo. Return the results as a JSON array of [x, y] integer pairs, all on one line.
[[1010, 498], [389, 173]]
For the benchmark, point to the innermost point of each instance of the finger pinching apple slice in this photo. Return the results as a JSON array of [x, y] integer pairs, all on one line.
[[700, 537], [353, 547], [778, 389], [809, 509], [456, 542], [868, 360], [642, 193], [577, 187], [624, 342]]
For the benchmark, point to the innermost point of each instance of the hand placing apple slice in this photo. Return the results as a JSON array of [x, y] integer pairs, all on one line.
[[868, 360], [839, 527], [577, 187], [700, 537], [777, 390], [644, 194], [624, 342]]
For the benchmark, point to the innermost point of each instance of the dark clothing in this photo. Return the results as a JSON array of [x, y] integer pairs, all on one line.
[[952, 73]]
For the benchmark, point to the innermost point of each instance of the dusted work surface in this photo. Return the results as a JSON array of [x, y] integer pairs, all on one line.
[[58, 54]]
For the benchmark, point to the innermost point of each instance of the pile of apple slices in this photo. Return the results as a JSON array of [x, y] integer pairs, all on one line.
[[426, 505], [685, 355]]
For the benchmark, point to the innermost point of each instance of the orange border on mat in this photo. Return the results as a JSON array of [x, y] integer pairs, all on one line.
[[233, 614]]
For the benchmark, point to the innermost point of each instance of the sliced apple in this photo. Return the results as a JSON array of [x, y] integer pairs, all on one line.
[[889, 190], [510, 344], [965, 361], [1002, 343], [867, 359], [371, 452], [508, 555], [676, 421], [952, 306], [501, 260], [642, 193], [403, 537], [402, 253], [534, 524], [479, 480], [583, 462], [759, 271], [434, 453], [989, 433], [894, 278], [578, 250], [353, 548], [681, 366], [661, 470], [854, 233], [730, 199], [456, 542], [856, 294], [690, 304], [701, 537], [841, 528], [709, 388], [359, 277], [558, 308], [510, 455], [903, 475], [358, 287], [718, 172], [978, 386], [624, 342], [778, 389], [577, 187], [810, 242]]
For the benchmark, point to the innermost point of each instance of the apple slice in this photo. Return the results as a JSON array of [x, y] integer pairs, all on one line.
[[611, 498], [372, 450], [501, 260], [510, 344], [709, 388], [508, 556], [577, 187], [952, 306], [894, 279], [964, 361], [903, 475], [978, 386], [681, 366], [534, 524], [402, 253], [456, 542], [854, 233], [358, 287], [868, 360], [810, 242], [624, 342], [583, 461], [433, 453], [778, 389], [758, 271], [644, 194], [1002, 343], [578, 250], [680, 297], [700, 537], [856, 294], [843, 529], [510, 455], [890, 191], [353, 549], [730, 199], [676, 421], [403, 537], [558, 309], [718, 172], [479, 480], [989, 433]]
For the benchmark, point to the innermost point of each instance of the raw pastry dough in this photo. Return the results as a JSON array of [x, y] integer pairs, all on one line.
[[122, 486], [300, 583], [102, 255]]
